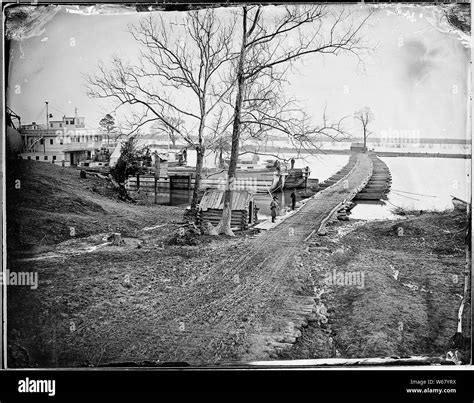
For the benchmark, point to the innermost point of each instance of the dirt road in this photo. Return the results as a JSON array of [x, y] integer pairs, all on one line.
[[230, 300], [258, 300]]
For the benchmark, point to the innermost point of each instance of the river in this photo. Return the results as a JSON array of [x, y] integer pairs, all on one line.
[[420, 184], [417, 184]]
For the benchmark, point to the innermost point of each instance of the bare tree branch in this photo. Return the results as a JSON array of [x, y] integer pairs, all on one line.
[[267, 52], [176, 79]]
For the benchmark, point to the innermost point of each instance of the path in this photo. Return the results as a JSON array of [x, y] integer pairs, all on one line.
[[256, 303]]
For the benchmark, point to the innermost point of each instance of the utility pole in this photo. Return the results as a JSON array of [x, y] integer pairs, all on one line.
[[47, 126]]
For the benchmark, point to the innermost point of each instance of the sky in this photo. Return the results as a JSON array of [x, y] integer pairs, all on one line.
[[413, 79]]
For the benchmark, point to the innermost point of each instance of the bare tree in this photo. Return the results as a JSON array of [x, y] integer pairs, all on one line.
[[365, 116], [170, 131], [267, 51], [266, 112], [176, 79]]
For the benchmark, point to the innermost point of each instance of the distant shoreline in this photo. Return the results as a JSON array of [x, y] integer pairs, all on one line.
[[379, 153]]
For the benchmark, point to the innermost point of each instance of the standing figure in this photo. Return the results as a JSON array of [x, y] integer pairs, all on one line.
[[306, 172], [293, 199], [292, 163], [277, 166], [255, 212], [274, 207]]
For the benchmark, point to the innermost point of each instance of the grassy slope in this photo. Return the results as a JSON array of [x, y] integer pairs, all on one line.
[[51, 199]]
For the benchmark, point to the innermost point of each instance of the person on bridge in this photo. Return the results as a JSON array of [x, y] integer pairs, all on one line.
[[274, 207], [292, 163], [293, 199]]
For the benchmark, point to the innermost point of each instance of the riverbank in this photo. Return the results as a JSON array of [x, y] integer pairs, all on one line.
[[221, 300], [387, 288]]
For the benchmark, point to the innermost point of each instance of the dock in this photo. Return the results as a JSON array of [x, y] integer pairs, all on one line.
[[348, 184], [374, 187], [183, 178]]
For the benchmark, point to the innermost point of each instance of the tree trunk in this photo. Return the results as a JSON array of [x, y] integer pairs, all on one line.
[[197, 179], [200, 149], [365, 140], [221, 159], [224, 225]]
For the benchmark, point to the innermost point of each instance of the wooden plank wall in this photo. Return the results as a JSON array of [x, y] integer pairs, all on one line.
[[148, 181], [239, 218]]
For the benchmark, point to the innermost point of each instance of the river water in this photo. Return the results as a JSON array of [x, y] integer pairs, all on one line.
[[420, 184], [417, 184]]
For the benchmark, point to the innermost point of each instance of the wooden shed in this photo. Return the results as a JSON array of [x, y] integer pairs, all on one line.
[[212, 206]]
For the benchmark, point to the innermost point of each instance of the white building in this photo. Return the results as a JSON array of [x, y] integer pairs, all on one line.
[[64, 142]]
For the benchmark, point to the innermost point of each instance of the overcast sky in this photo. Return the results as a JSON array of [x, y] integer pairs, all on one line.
[[415, 78]]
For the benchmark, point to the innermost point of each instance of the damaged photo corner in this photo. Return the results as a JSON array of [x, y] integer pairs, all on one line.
[[237, 186]]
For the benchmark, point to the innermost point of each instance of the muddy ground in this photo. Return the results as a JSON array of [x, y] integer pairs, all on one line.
[[153, 300], [98, 303], [400, 294]]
